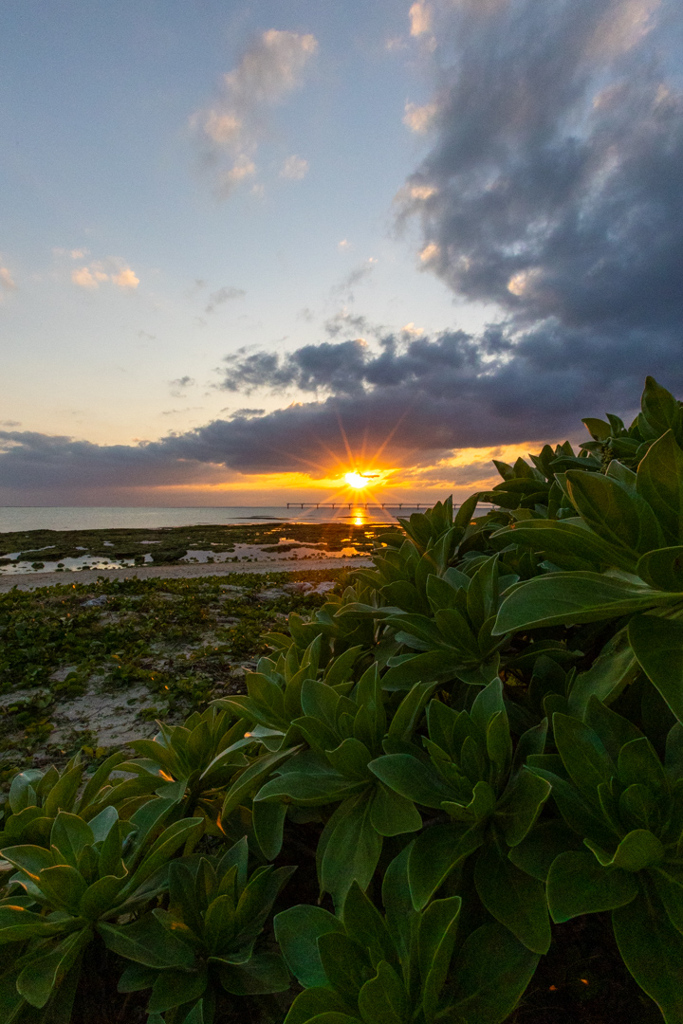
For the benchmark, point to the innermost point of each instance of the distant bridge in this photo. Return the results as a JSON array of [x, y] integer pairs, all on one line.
[[355, 504], [371, 504]]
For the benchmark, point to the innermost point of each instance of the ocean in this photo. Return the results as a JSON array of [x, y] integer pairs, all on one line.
[[13, 519]]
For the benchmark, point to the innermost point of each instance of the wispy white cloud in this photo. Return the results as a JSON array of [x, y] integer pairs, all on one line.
[[420, 18], [88, 278], [295, 168], [419, 118], [125, 278], [6, 280], [118, 273], [231, 128]]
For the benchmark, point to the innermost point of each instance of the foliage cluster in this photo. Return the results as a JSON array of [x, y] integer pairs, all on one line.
[[476, 745]]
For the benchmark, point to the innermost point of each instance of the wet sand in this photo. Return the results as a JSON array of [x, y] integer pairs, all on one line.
[[35, 580]]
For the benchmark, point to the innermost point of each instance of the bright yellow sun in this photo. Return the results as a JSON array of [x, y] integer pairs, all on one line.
[[356, 480]]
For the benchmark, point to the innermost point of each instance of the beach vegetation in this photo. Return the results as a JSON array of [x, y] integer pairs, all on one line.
[[472, 753]]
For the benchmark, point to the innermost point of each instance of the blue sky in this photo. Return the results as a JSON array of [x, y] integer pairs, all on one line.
[[201, 201]]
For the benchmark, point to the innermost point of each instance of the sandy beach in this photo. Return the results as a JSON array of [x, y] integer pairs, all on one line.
[[35, 580]]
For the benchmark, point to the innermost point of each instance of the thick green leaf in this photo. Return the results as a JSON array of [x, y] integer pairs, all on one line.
[[660, 483], [577, 884], [250, 779], [393, 814], [619, 516], [412, 779], [513, 897], [297, 931], [31, 859], [17, 924], [364, 923], [351, 848], [162, 850], [637, 850], [314, 785], [434, 855], [658, 646], [433, 666], [173, 988], [492, 971], [398, 906], [44, 973], [660, 408], [70, 834], [614, 669], [567, 543], [583, 754], [668, 881], [662, 568], [435, 942], [383, 999], [520, 806], [63, 793], [566, 599], [268, 820], [315, 1003], [652, 949], [63, 886], [538, 850], [147, 942], [261, 974], [346, 964]]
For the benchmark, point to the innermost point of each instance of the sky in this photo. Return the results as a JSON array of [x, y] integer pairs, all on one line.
[[246, 248]]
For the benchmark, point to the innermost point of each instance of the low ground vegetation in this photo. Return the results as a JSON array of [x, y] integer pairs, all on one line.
[[451, 792], [168, 545]]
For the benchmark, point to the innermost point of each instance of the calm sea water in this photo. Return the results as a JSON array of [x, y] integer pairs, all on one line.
[[44, 518]]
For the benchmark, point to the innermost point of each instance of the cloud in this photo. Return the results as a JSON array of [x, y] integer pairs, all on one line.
[[229, 131], [6, 280], [419, 118], [344, 244], [246, 413], [553, 188], [417, 398], [92, 276], [223, 295], [354, 277], [346, 322], [84, 277], [420, 18], [125, 278], [295, 168], [182, 382]]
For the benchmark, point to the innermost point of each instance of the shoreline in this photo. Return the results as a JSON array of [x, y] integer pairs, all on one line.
[[36, 580]]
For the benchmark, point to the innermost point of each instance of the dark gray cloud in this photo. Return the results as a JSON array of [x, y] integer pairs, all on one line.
[[554, 186], [223, 295], [417, 400]]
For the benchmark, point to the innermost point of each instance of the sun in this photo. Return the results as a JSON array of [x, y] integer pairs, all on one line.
[[356, 480]]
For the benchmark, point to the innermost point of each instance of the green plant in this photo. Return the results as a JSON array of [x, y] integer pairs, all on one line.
[[203, 945], [59, 898], [35, 798], [626, 806], [492, 802], [404, 966]]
